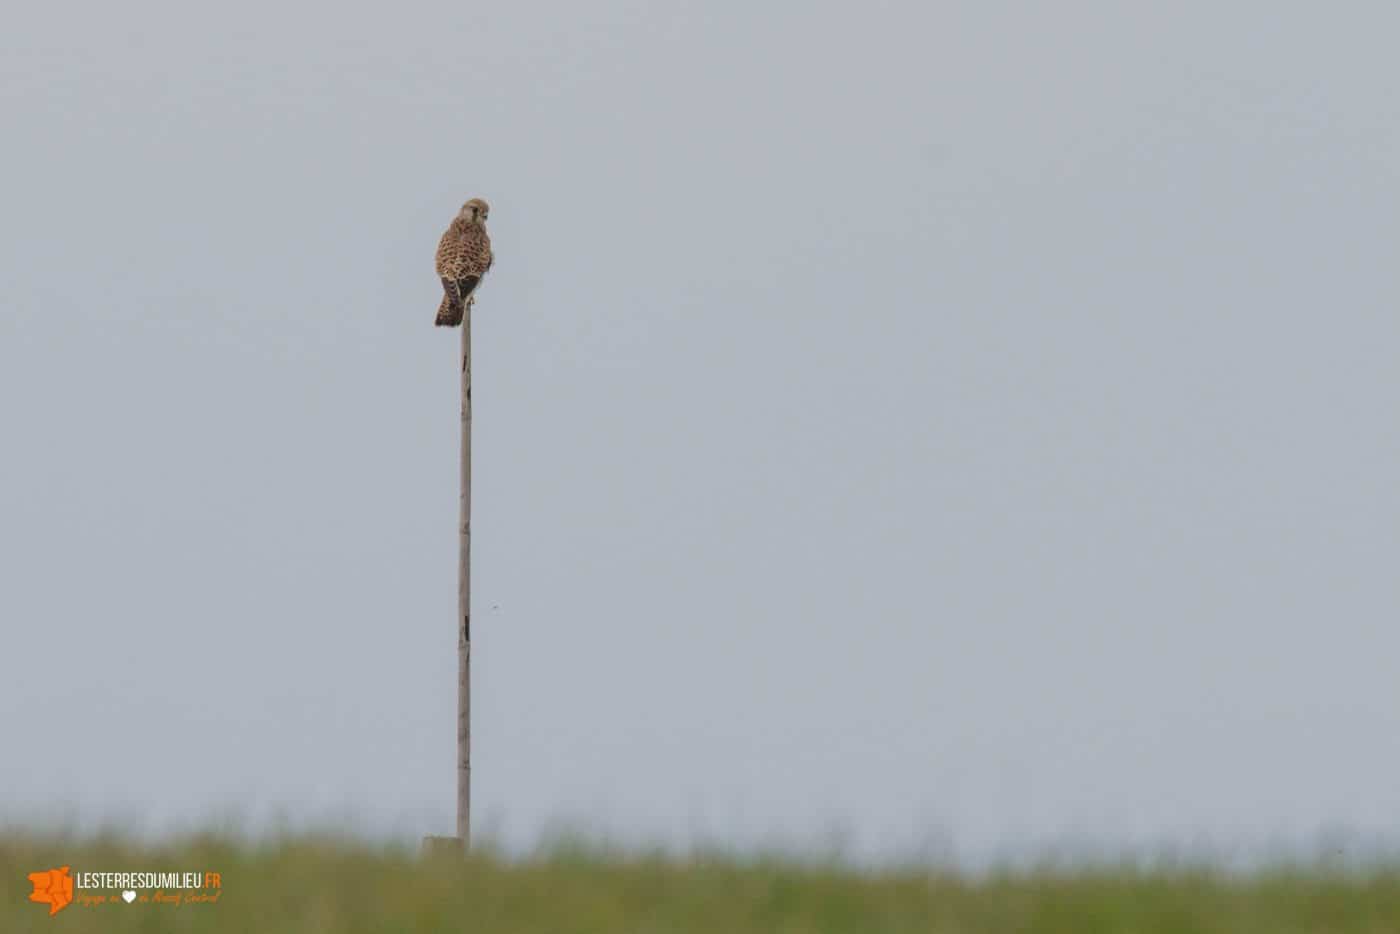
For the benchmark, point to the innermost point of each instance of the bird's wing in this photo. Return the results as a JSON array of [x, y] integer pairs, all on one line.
[[449, 255]]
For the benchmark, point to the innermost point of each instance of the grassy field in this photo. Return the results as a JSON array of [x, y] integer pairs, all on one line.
[[315, 885]]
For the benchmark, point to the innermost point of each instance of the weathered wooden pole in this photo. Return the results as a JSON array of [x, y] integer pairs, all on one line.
[[464, 598]]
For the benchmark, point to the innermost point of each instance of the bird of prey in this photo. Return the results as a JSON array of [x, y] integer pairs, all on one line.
[[463, 256]]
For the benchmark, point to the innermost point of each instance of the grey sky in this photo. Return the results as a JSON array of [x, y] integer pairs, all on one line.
[[965, 418]]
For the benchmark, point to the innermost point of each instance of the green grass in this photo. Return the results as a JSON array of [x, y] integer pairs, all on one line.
[[310, 884]]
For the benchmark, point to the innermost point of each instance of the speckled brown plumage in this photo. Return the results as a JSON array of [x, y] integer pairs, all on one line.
[[463, 256]]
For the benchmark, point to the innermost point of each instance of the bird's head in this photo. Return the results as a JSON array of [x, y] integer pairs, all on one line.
[[474, 211]]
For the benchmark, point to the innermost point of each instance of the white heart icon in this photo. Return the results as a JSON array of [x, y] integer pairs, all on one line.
[[128, 896]]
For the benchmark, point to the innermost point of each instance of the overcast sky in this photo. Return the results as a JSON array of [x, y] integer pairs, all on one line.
[[960, 420]]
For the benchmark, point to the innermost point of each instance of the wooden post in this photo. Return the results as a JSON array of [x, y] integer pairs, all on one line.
[[464, 601], [458, 845]]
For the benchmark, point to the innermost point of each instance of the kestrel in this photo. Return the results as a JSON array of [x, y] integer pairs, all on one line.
[[463, 256]]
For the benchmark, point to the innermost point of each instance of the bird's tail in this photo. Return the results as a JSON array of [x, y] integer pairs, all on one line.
[[449, 313]]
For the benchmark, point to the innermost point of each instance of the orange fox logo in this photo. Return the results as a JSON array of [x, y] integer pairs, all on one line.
[[53, 888]]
